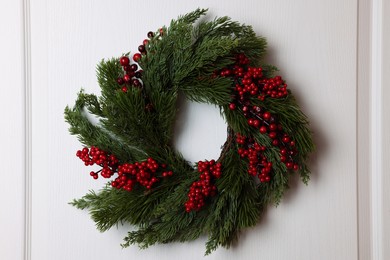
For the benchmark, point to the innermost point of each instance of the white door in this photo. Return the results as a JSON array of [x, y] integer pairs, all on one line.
[[331, 53]]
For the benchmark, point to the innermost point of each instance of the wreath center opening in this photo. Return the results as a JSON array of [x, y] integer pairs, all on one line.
[[200, 130]]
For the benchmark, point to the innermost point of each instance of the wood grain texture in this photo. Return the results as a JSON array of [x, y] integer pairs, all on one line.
[[314, 43], [12, 130]]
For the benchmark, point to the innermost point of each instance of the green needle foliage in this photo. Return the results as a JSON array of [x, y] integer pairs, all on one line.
[[182, 58]]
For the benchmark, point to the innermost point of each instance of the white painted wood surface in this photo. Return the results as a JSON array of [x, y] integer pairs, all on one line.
[[12, 135], [315, 45], [385, 145], [363, 129], [376, 133]]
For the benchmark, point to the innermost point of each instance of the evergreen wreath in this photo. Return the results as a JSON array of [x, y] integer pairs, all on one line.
[[153, 187]]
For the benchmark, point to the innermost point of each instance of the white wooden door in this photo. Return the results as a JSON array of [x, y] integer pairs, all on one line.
[[333, 55]]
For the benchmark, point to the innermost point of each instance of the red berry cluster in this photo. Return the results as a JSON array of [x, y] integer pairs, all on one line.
[[274, 87], [204, 187], [143, 173], [267, 124], [131, 75], [143, 48], [94, 155], [251, 82], [258, 163]]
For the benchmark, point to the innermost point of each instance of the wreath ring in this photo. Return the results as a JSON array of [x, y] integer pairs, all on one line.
[[151, 185]]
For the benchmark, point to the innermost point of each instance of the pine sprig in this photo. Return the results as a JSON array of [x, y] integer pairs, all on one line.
[[93, 135]]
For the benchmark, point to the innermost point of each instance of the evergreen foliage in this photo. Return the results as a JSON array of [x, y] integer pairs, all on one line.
[[183, 61]]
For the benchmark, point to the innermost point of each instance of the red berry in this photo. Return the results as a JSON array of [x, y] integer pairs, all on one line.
[[141, 48], [273, 127], [137, 57], [133, 67], [130, 73], [232, 106], [150, 34], [263, 129], [272, 135], [120, 81], [127, 78], [124, 60], [289, 165], [136, 83], [267, 115]]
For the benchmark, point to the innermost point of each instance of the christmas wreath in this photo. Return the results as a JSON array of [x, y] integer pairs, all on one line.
[[151, 186]]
